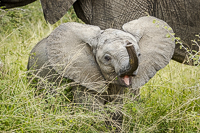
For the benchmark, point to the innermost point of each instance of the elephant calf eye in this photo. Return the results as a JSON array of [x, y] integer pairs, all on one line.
[[107, 57]]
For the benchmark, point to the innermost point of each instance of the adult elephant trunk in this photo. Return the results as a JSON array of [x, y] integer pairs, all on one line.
[[133, 61], [14, 3]]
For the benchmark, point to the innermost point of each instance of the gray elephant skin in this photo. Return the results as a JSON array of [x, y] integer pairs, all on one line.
[[103, 62], [182, 15]]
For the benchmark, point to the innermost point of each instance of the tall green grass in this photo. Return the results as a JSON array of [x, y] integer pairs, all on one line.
[[170, 101]]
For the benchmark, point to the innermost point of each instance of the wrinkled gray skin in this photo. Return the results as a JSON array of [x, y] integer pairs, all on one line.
[[182, 15], [67, 56], [111, 53], [93, 58]]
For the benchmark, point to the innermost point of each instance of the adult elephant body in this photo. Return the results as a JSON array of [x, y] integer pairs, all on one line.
[[182, 15]]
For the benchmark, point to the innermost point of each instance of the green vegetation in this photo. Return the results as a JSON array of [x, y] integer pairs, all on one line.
[[170, 102]]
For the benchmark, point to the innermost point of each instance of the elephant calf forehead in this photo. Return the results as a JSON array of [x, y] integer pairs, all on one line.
[[113, 45], [110, 35]]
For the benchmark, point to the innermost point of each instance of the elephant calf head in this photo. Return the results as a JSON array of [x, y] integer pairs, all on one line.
[[93, 57], [117, 54]]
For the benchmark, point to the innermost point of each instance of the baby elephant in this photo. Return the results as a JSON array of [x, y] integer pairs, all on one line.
[[104, 62]]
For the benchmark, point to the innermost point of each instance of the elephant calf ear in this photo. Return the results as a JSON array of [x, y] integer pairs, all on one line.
[[70, 54], [54, 10], [156, 47]]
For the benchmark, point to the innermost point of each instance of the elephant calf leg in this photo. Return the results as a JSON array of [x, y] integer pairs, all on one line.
[[110, 102], [114, 105], [88, 99]]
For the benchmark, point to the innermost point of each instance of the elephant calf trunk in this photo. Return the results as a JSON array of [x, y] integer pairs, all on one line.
[[126, 75], [133, 60]]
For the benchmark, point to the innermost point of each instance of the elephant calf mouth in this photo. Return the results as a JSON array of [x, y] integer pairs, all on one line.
[[125, 80], [131, 69]]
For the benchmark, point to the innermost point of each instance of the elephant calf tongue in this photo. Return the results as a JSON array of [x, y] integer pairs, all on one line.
[[126, 80]]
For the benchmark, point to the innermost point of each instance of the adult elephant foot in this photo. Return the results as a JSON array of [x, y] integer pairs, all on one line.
[[181, 55]]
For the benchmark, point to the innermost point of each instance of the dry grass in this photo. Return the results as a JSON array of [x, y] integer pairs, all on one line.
[[170, 102]]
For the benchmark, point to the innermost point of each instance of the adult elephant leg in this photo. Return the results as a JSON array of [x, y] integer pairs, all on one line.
[[183, 17]]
